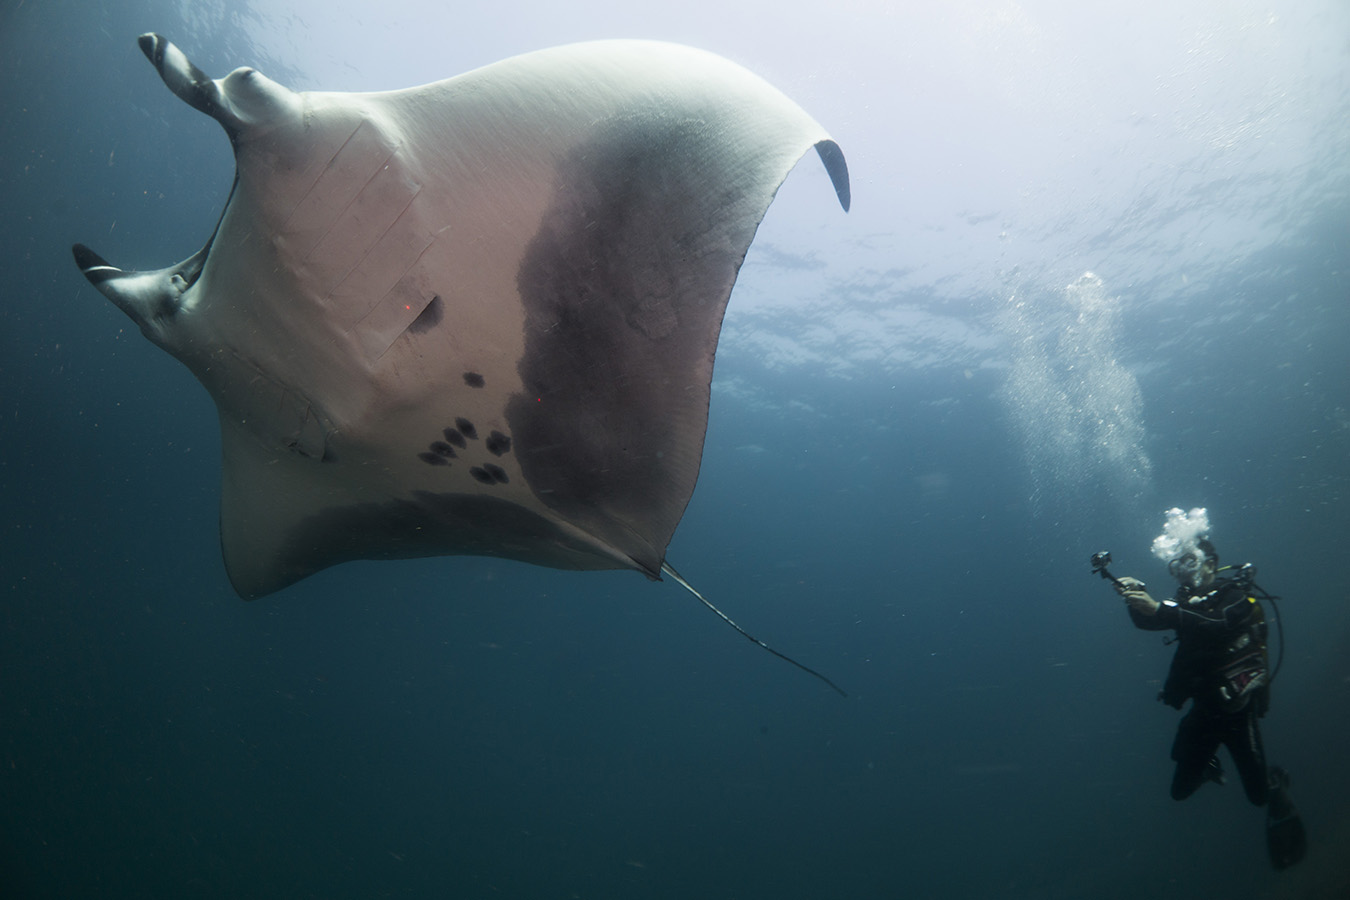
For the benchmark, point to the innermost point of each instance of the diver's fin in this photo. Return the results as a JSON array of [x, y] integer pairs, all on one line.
[[1285, 835]]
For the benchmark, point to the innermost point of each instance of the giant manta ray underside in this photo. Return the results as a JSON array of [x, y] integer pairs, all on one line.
[[472, 317]]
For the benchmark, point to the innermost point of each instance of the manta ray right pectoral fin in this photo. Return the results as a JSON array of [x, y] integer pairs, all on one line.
[[666, 568]]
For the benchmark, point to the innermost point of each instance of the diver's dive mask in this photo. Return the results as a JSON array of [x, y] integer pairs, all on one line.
[[1189, 568]]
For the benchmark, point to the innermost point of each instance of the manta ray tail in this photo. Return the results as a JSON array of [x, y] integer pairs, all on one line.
[[666, 568]]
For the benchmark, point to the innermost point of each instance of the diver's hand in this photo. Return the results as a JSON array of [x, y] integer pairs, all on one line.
[[1132, 589]]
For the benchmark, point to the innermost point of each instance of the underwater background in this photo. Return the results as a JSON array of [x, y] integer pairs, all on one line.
[[1097, 265]]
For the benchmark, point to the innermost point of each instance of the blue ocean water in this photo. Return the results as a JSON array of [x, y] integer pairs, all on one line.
[[926, 417]]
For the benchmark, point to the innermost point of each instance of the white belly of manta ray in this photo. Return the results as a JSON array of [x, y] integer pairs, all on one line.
[[477, 316]]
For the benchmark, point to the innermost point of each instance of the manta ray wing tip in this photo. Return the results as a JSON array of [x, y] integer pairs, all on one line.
[[150, 44], [94, 267], [833, 159]]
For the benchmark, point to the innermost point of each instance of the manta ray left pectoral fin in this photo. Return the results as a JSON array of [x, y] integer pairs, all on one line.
[[266, 494]]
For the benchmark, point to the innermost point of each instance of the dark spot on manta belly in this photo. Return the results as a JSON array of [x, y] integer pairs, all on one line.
[[490, 474], [498, 443], [474, 380], [439, 453]]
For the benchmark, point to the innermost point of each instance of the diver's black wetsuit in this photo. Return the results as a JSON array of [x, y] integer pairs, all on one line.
[[1221, 665]]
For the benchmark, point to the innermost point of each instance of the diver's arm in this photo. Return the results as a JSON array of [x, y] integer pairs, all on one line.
[[1132, 589], [1145, 612]]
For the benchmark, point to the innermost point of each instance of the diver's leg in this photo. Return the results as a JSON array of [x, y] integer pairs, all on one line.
[[1242, 734], [1193, 749], [1286, 838]]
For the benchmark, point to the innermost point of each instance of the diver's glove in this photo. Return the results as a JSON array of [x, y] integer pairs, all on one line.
[[1132, 589]]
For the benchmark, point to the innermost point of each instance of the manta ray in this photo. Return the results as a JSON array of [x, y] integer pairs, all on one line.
[[477, 316]]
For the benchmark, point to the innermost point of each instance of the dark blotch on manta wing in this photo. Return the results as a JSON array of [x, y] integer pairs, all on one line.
[[455, 438], [474, 380], [466, 428], [441, 448], [433, 459], [482, 475], [624, 286]]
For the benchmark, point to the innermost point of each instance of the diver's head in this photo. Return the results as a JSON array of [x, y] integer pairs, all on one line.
[[1196, 568]]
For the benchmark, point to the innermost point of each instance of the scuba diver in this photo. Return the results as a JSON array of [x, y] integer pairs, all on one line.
[[1221, 665]]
